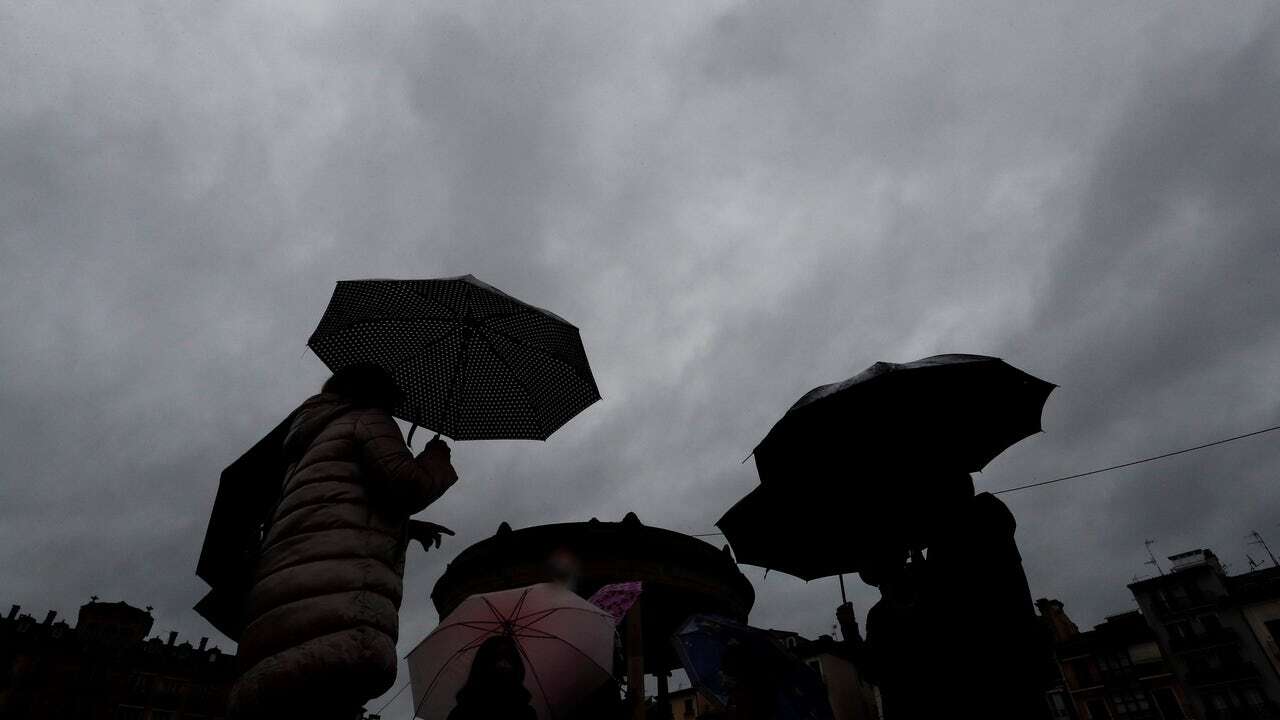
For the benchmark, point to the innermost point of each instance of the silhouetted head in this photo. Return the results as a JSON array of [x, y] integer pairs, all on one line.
[[565, 567], [497, 665], [366, 385], [885, 567]]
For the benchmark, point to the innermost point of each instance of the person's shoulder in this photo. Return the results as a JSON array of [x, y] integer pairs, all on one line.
[[989, 507]]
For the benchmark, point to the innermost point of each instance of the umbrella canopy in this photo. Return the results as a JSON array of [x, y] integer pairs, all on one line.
[[859, 467], [473, 362], [953, 412], [733, 663], [617, 598], [566, 644], [801, 533]]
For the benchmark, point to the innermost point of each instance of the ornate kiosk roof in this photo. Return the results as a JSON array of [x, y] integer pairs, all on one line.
[[682, 575]]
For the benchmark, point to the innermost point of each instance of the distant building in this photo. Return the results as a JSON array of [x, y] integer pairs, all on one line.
[[688, 704], [1116, 670], [1220, 634], [851, 697], [105, 668]]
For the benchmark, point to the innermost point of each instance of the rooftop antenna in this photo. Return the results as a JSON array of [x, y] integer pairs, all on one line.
[[1152, 555], [1253, 564], [1257, 540]]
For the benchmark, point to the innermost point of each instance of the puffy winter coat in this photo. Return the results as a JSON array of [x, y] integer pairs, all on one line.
[[322, 613]]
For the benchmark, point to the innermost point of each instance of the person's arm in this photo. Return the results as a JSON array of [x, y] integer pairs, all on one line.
[[411, 483]]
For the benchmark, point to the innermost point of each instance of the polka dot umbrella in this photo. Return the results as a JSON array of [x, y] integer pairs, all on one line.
[[473, 362]]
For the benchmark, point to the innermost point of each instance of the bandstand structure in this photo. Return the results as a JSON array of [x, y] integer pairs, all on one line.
[[681, 575]]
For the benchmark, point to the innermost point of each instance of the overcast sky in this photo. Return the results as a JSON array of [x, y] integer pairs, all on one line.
[[735, 202]]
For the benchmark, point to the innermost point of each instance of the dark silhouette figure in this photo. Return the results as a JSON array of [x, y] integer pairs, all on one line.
[[976, 595], [603, 704], [955, 631], [322, 612], [751, 687], [495, 686], [898, 652]]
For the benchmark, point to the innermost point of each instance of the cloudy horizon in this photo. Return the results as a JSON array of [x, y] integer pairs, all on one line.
[[734, 202]]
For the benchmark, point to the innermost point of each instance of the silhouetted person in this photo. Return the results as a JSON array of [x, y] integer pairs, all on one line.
[[752, 688], [603, 704], [976, 596], [322, 611], [897, 654], [495, 686]]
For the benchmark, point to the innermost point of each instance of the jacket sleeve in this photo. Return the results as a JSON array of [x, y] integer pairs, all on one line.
[[393, 470]]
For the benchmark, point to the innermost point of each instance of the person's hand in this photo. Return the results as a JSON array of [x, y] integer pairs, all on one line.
[[427, 533], [434, 458], [845, 615]]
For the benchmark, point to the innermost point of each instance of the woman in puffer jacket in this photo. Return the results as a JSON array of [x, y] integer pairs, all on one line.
[[323, 610]]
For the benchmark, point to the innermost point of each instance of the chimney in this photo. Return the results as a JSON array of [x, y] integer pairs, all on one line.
[[13, 612], [1056, 618], [203, 641], [173, 635], [48, 619]]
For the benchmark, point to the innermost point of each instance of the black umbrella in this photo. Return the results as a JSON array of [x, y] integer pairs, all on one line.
[[800, 533], [954, 412], [473, 362], [855, 466]]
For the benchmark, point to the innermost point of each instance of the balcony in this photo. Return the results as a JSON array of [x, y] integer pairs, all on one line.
[[1212, 638], [1225, 674], [1266, 711]]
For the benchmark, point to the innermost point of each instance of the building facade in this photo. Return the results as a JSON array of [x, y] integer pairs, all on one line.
[[1219, 633], [105, 668], [1116, 670]]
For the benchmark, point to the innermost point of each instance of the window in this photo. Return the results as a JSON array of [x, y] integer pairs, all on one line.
[[1128, 704], [1058, 705], [1170, 709], [1115, 661], [128, 712], [161, 715], [1273, 627], [1180, 630], [1253, 697]]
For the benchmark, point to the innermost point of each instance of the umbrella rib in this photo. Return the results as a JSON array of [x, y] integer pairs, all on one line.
[[571, 646], [434, 301], [534, 671], [515, 612], [549, 611], [436, 678], [533, 405], [574, 370], [460, 367]]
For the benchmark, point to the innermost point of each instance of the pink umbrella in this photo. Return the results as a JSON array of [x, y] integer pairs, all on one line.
[[566, 644], [617, 598]]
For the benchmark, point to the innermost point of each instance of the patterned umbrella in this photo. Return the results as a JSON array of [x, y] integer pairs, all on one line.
[[617, 598], [565, 642], [473, 362], [738, 665]]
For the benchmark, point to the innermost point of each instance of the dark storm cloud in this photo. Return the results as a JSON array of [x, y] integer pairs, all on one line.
[[734, 203]]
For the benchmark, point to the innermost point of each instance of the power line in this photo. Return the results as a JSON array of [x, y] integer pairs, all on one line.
[[1109, 468], [1137, 462]]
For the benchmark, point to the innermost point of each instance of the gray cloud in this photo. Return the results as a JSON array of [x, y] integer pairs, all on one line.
[[734, 203]]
